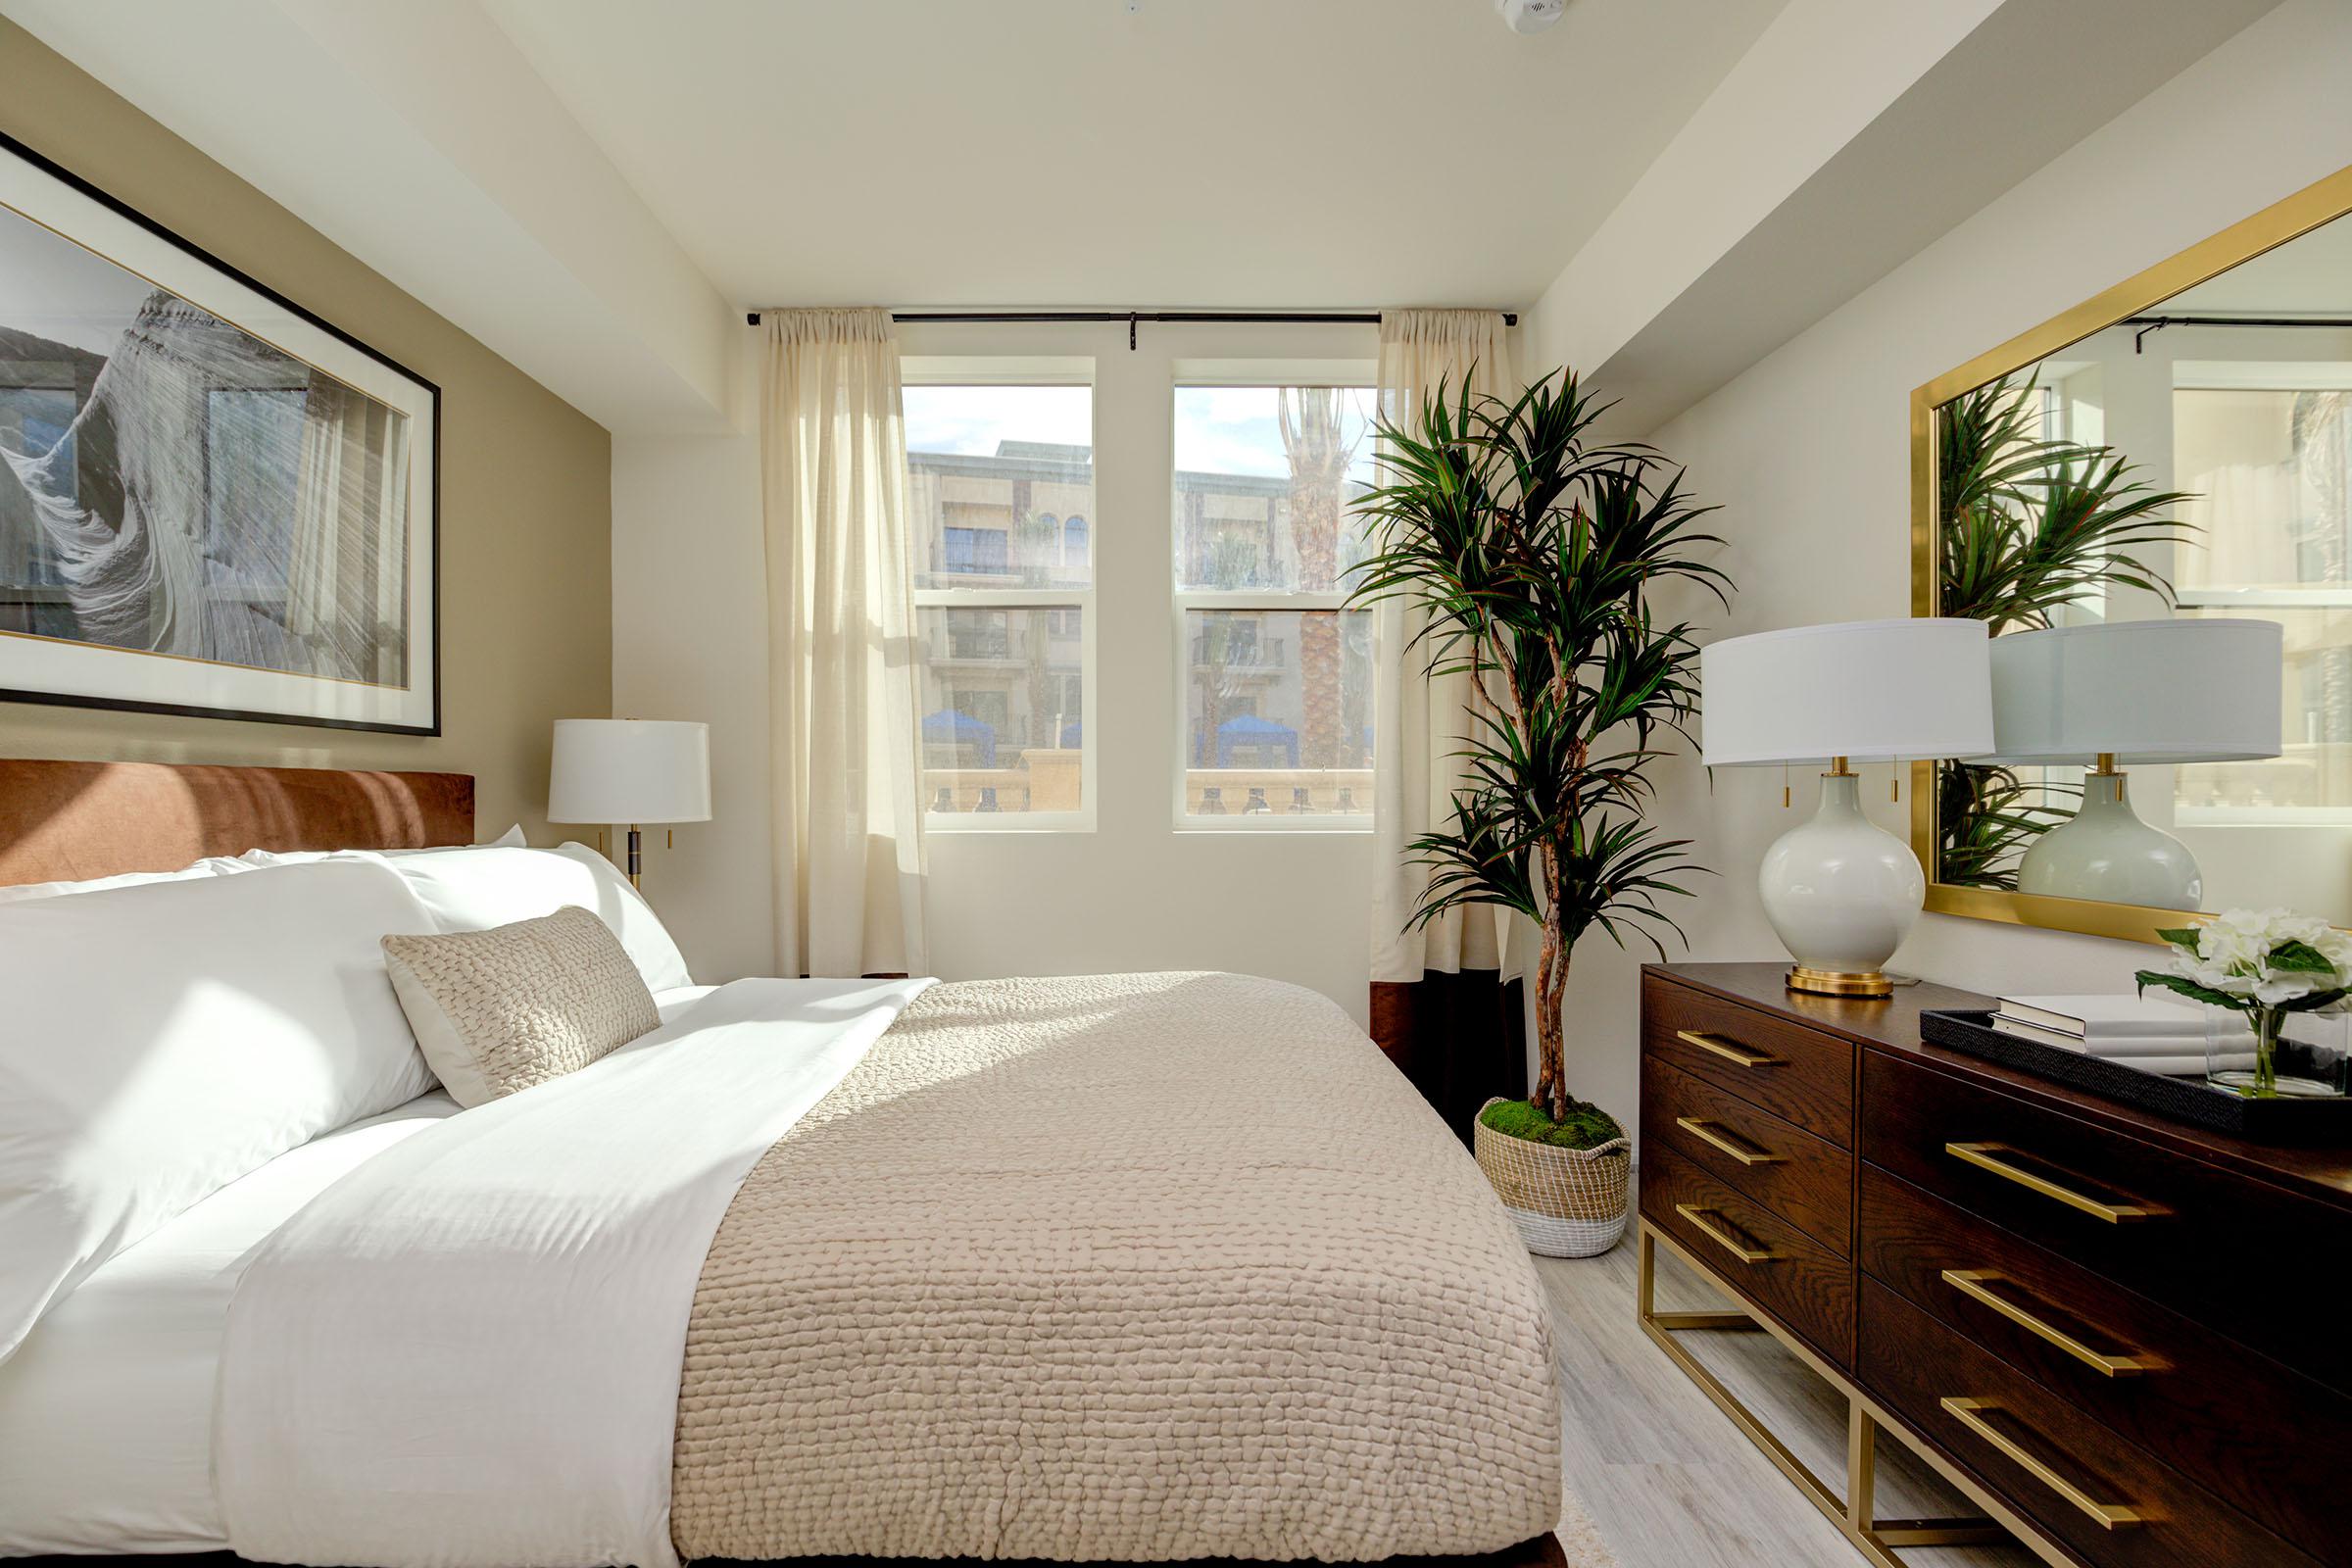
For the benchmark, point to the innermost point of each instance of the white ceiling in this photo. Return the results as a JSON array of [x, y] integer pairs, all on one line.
[[594, 188], [1077, 152]]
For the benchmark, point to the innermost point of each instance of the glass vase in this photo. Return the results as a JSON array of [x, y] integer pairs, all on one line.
[[2269, 1054]]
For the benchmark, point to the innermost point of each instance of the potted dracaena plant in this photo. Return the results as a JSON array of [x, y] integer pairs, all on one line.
[[1533, 554]]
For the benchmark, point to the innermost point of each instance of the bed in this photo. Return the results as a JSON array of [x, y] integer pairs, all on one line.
[[1108, 1268]]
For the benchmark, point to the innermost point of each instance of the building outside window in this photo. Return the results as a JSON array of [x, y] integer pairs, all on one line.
[[1000, 485], [1276, 677]]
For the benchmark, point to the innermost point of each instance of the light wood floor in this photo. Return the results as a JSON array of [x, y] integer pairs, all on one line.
[[1669, 1480]]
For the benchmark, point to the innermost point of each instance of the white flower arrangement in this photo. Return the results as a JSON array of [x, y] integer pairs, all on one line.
[[2265, 963], [2250, 960]]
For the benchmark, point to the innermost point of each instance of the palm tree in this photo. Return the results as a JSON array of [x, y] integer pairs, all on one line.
[[1534, 554], [1309, 417]]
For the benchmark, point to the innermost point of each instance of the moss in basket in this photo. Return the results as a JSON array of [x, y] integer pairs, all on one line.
[[1586, 1126]]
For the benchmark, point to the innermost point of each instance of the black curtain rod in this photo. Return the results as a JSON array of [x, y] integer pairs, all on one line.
[[1132, 318], [2156, 322]]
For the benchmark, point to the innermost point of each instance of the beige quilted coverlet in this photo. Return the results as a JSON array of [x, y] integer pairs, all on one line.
[[1140, 1266]]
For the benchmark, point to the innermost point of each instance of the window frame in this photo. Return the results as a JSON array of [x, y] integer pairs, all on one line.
[[1344, 373], [1015, 370]]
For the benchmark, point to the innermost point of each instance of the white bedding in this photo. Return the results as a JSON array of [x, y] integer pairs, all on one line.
[[106, 1413], [488, 1320]]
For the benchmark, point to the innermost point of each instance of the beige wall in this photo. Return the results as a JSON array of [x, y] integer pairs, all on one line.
[[525, 481], [1809, 454]]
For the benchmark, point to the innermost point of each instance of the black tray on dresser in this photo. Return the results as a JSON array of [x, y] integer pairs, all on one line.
[[2282, 1120]]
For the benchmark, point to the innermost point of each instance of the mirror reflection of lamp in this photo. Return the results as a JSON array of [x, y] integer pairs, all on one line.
[[2121, 694]]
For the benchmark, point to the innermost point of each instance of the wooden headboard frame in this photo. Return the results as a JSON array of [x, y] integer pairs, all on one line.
[[68, 821]]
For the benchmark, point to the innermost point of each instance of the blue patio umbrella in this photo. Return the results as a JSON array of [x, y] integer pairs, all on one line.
[[1250, 730], [948, 727]]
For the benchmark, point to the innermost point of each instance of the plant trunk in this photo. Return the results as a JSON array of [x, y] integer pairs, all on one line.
[[1551, 983]]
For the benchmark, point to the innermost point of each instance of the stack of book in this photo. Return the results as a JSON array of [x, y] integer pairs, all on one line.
[[2158, 1037]]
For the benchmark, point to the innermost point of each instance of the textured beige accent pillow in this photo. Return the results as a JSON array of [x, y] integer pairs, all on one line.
[[502, 1010]]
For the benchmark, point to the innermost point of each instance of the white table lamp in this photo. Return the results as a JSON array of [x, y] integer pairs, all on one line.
[[1841, 892], [2121, 693], [633, 771]]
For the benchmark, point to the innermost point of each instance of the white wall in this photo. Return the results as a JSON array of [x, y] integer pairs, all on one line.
[[1809, 453], [690, 642]]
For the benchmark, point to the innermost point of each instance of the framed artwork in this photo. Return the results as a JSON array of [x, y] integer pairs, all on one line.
[[212, 501]]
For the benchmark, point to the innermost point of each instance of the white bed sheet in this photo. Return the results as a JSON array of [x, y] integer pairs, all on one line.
[[106, 1412], [492, 1316]]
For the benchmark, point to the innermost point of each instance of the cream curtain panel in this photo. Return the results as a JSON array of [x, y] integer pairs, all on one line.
[[844, 767], [1419, 721]]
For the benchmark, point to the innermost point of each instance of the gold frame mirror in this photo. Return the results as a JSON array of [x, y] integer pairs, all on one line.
[[2311, 208]]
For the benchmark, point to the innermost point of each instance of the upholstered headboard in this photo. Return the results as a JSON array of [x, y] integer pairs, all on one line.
[[67, 821]]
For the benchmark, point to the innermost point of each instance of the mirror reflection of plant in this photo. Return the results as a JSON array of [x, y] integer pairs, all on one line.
[[1990, 816], [1534, 554], [2025, 525]]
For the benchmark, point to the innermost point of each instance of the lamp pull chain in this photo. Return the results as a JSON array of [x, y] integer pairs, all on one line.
[[1784, 795], [1895, 781]]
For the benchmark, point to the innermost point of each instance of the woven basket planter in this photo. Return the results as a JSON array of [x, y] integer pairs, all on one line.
[[1567, 1203]]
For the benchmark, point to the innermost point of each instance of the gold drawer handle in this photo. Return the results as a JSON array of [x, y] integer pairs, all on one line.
[[1973, 1282], [1714, 1140], [2106, 1515], [1713, 1233], [1987, 1157], [1730, 1051]]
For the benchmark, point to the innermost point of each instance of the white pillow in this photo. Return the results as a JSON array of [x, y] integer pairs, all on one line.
[[474, 890], [163, 1041], [511, 839], [22, 892]]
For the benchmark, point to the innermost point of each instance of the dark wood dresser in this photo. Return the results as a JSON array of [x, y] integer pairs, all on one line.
[[2124, 1339]]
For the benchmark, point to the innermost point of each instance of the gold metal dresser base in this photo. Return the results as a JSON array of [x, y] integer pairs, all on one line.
[[1852, 1510]]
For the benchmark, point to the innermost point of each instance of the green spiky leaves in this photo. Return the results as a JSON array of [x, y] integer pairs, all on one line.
[[1532, 553]]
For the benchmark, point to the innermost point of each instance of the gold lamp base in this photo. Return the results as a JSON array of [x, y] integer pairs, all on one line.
[[1839, 982]]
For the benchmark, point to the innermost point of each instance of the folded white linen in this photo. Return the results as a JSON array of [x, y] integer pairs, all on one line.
[[468, 1352]]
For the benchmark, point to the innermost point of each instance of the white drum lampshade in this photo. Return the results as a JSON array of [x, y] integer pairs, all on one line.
[[2123, 693], [631, 771], [1841, 892]]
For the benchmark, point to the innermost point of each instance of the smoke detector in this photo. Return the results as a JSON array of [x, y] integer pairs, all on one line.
[[1530, 15]]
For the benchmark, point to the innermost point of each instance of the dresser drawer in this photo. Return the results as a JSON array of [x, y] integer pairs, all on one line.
[[2267, 1439], [1805, 1180], [2222, 1249], [1799, 1074], [1800, 1283], [2110, 1502]]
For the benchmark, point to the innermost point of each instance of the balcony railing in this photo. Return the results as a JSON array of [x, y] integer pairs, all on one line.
[[1266, 653], [1045, 779], [1278, 792]]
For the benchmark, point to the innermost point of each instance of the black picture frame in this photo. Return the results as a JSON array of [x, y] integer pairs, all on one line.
[[427, 526]]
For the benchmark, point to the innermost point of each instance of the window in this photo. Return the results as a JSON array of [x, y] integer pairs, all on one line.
[[2267, 450], [1001, 482], [1275, 678]]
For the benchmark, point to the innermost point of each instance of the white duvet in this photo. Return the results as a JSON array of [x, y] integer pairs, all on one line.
[[467, 1351]]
